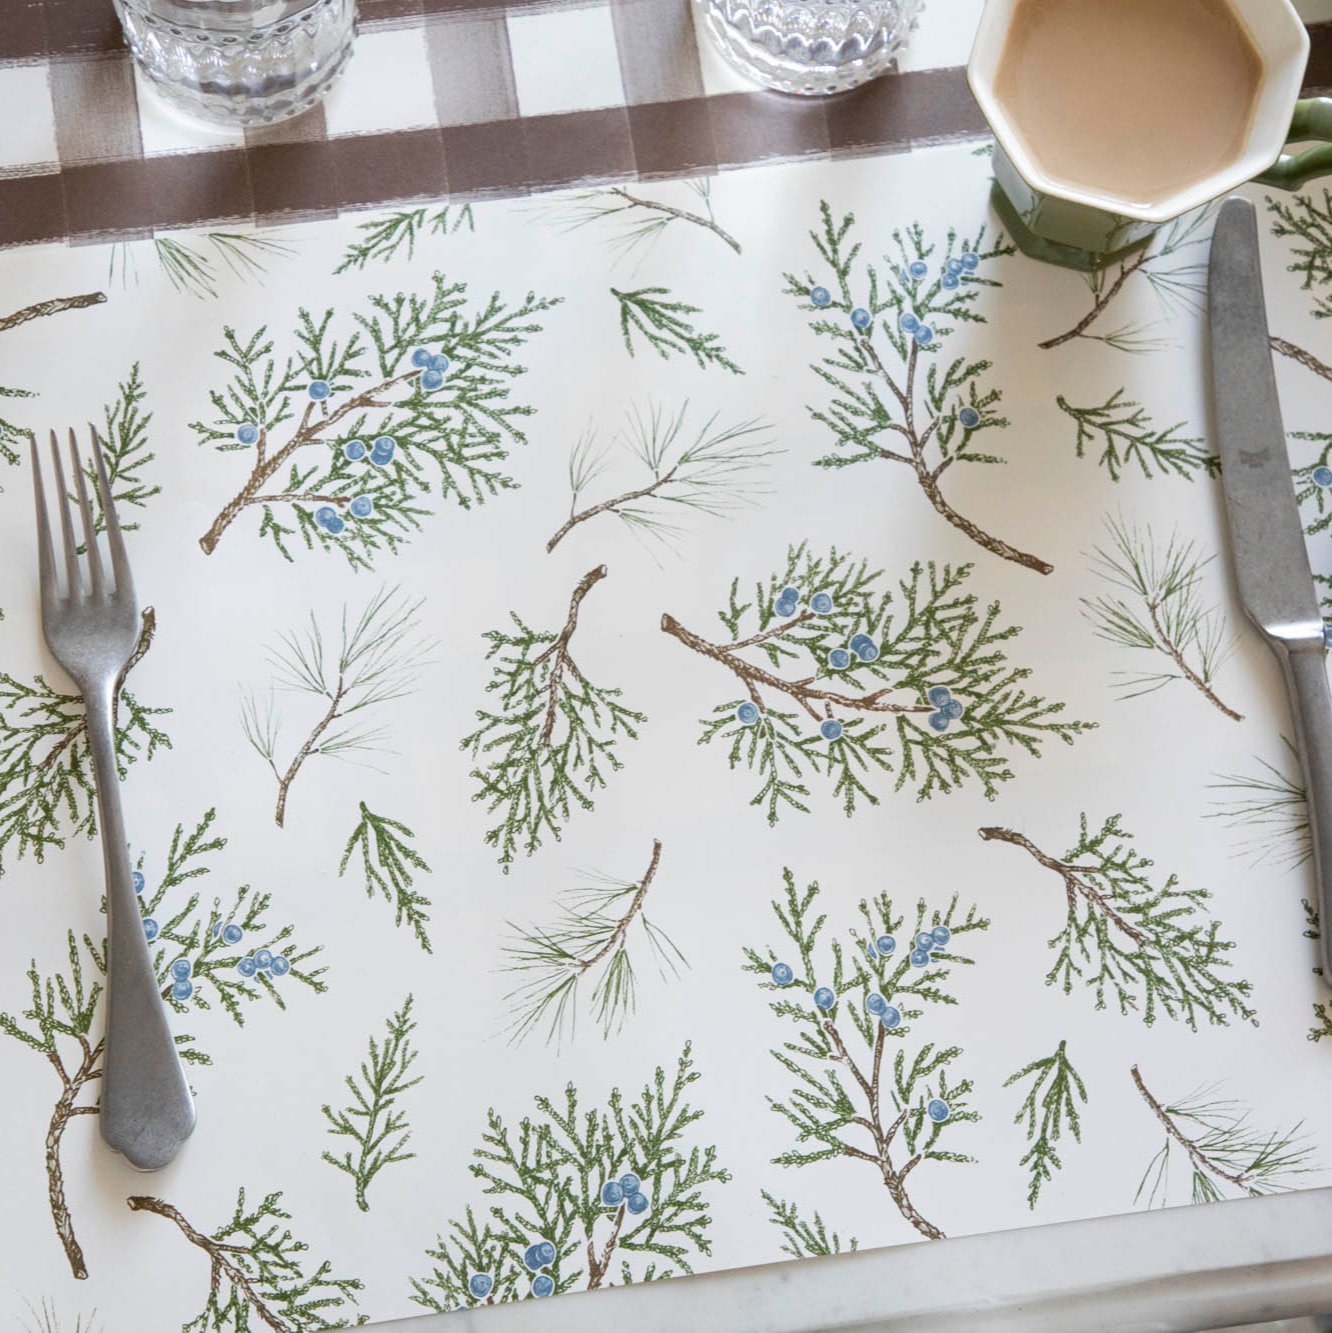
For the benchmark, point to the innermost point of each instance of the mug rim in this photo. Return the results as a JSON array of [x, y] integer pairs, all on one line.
[[1281, 81]]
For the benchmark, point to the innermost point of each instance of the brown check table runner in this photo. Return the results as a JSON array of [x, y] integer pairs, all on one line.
[[445, 98]]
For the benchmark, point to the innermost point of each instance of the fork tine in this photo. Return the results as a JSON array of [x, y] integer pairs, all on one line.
[[89, 527], [119, 560], [45, 551], [74, 583]]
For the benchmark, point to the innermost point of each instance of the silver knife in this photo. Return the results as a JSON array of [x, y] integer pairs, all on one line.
[[1266, 536]]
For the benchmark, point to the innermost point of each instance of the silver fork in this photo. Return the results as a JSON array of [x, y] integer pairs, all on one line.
[[91, 627]]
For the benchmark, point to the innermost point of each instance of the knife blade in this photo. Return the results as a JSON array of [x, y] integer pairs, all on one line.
[[1270, 559]]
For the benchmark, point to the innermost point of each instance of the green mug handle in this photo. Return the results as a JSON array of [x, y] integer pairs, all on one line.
[[1291, 171]]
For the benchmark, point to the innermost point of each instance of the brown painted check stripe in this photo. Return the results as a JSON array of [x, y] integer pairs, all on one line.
[[105, 189]]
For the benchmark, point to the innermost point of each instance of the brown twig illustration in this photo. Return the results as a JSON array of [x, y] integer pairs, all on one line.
[[66, 1108], [683, 215], [1176, 654], [559, 649], [893, 1177], [1102, 301], [599, 1265], [1199, 1159], [52, 307], [804, 691], [916, 442], [1076, 881], [219, 1256], [1307, 359]]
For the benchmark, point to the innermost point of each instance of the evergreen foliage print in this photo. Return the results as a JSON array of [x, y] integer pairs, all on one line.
[[1132, 936], [864, 1086], [858, 685], [551, 739], [224, 954], [581, 1197], [358, 431], [259, 1276], [897, 396]]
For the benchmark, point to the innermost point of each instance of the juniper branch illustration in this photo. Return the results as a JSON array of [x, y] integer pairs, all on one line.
[[1135, 937], [848, 1105], [711, 472], [1124, 434], [428, 376], [1225, 1155], [1049, 1105], [46, 785], [1269, 807], [665, 326], [386, 237], [913, 680], [258, 1271], [640, 221], [1164, 614], [1171, 263], [802, 1239], [892, 401], [194, 953], [552, 739], [374, 1121], [388, 862], [577, 1190], [379, 657], [589, 940]]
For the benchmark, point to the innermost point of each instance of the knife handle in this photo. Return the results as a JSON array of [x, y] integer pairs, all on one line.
[[1311, 709]]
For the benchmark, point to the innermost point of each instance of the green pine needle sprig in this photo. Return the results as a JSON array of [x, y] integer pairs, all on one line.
[[1049, 1106], [1216, 1143], [589, 941], [389, 863], [665, 326], [375, 1121], [1122, 436], [392, 234], [1159, 609]]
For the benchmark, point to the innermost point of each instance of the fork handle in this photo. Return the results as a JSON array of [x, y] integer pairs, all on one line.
[[147, 1111]]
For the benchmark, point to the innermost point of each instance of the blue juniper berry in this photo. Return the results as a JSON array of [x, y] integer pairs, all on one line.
[[318, 390], [971, 261], [782, 974], [924, 335], [420, 358], [612, 1194], [182, 990], [886, 944], [821, 603], [136, 878], [354, 450], [232, 933], [247, 433], [861, 318], [831, 729], [361, 507], [149, 929], [939, 695], [432, 380], [941, 935], [824, 997], [748, 713], [919, 269], [181, 969], [479, 1284], [891, 1017], [247, 967], [280, 966], [820, 296], [937, 1110], [637, 1203], [925, 940], [543, 1285], [263, 958], [909, 322], [839, 659], [939, 721], [630, 1182], [875, 1003], [1322, 476], [920, 958], [969, 418], [439, 362]]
